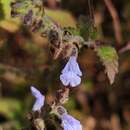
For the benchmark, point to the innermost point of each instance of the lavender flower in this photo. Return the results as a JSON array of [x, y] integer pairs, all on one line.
[[39, 99], [71, 73], [70, 123]]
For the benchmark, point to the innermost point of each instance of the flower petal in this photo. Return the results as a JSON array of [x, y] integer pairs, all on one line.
[[35, 92], [38, 104], [66, 125], [70, 78], [64, 79], [75, 80], [66, 68], [39, 99], [74, 66], [70, 122]]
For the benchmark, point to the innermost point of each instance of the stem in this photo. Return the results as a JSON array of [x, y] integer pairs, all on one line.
[[116, 21], [62, 95]]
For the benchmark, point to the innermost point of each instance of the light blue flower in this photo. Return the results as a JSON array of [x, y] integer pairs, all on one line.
[[70, 123], [71, 73], [39, 99]]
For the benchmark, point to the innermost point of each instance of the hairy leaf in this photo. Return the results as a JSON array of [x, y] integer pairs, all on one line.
[[109, 57]]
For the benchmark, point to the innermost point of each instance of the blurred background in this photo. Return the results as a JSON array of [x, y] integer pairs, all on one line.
[[25, 60]]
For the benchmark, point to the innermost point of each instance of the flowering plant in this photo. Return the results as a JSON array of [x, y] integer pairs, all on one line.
[[64, 43]]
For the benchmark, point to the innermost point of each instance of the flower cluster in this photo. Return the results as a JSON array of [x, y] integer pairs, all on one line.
[[71, 76], [68, 122]]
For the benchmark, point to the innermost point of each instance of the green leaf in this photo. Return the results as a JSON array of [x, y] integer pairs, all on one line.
[[109, 58]]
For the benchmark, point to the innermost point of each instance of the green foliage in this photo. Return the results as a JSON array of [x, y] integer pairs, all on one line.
[[107, 53], [109, 58], [6, 8], [11, 25]]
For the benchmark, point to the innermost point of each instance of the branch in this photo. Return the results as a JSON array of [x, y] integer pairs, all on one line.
[[125, 48], [116, 21]]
